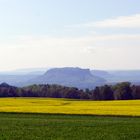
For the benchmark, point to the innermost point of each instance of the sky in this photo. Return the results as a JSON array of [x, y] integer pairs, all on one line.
[[95, 34]]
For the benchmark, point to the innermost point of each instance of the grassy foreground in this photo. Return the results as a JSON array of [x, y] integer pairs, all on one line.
[[67, 127], [66, 106]]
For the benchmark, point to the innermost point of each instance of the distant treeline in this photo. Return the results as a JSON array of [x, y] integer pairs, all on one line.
[[120, 91]]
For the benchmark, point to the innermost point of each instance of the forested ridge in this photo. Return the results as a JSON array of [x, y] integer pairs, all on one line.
[[120, 91]]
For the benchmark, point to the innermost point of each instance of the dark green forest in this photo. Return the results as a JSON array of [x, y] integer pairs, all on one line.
[[120, 91]]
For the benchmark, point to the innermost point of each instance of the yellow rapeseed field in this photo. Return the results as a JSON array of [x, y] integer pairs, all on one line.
[[66, 106]]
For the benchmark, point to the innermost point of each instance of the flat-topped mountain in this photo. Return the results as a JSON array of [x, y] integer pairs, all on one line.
[[68, 76]]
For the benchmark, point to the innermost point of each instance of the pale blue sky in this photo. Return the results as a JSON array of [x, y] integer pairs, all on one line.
[[44, 16], [84, 33]]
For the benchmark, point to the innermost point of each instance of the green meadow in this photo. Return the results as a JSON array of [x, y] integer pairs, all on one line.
[[67, 127]]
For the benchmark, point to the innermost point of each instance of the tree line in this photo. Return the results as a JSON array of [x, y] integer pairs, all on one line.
[[120, 91]]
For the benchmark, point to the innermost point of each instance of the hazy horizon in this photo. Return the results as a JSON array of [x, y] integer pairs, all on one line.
[[94, 34], [35, 69]]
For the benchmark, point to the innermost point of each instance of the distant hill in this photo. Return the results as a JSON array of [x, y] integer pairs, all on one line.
[[68, 76], [100, 73], [19, 77], [16, 80], [116, 76]]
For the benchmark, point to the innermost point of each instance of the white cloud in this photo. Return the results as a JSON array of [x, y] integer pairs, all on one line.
[[112, 51], [68, 42], [132, 21]]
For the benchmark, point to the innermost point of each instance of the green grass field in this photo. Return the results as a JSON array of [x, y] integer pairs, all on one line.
[[67, 106], [67, 127], [52, 119]]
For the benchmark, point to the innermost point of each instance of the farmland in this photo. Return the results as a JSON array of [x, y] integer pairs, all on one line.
[[67, 106], [22, 126], [65, 119]]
